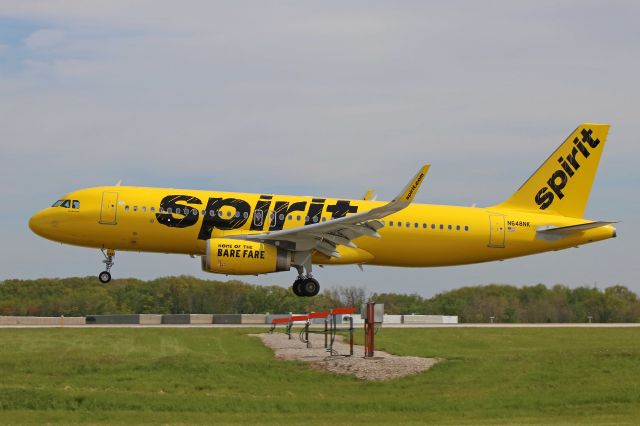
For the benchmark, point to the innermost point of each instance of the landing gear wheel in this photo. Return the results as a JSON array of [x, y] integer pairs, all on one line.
[[104, 277], [310, 287], [297, 287]]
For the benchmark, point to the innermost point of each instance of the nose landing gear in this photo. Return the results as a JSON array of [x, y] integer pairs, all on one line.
[[105, 276]]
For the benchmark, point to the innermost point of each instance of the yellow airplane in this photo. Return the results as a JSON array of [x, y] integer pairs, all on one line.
[[251, 234]]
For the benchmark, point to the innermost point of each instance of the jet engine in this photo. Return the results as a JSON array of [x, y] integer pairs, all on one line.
[[240, 257]]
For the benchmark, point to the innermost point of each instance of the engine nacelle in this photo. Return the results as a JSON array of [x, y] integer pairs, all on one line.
[[240, 257]]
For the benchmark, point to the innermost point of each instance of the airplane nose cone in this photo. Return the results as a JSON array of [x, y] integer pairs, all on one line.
[[37, 224]]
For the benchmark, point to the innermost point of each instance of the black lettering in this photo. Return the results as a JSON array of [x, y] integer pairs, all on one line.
[[225, 223], [555, 185], [544, 198], [262, 207], [581, 147], [341, 208], [571, 158], [187, 217], [586, 137], [315, 210], [283, 208], [565, 166]]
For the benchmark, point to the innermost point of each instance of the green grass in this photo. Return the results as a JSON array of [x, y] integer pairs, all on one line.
[[180, 376]]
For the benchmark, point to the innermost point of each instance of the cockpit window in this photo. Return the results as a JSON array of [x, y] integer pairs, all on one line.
[[66, 204], [75, 204], [57, 203]]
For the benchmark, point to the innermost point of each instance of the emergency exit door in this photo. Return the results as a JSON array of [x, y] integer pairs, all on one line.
[[496, 231], [108, 212]]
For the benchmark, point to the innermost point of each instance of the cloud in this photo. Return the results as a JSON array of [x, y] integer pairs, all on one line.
[[45, 38]]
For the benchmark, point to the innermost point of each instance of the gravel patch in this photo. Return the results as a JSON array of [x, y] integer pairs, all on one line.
[[383, 366]]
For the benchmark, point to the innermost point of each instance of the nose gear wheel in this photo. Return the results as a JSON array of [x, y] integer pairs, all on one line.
[[105, 276]]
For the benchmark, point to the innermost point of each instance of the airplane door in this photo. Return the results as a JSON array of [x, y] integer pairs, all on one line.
[[496, 231], [109, 207]]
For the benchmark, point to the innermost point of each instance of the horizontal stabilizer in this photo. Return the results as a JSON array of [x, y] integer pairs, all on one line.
[[556, 232]]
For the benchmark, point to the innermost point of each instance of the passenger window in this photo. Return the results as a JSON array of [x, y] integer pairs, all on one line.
[[408, 225], [306, 219], [219, 213], [424, 226], [466, 228], [143, 209], [126, 209], [298, 217], [457, 227], [433, 226], [228, 213], [441, 226], [390, 223], [290, 217], [75, 204], [152, 209], [245, 215], [178, 210], [415, 225], [194, 212], [169, 210], [450, 227], [135, 208]]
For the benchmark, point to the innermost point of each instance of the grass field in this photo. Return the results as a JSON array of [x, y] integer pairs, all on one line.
[[206, 376]]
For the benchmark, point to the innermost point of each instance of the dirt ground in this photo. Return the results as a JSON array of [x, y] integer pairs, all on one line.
[[382, 366]]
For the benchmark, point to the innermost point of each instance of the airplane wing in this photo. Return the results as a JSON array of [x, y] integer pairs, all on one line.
[[325, 236]]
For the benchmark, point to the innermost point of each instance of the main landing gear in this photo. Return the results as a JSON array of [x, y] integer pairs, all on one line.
[[105, 276], [305, 285]]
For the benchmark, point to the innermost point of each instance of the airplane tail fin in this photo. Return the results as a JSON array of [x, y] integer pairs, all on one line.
[[562, 184]]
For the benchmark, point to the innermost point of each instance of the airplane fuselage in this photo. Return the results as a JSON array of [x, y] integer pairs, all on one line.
[[180, 221]]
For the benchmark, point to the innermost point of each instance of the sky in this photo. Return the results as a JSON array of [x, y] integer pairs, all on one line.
[[327, 98]]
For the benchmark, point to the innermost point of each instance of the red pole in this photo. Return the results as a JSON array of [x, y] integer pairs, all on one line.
[[369, 329]]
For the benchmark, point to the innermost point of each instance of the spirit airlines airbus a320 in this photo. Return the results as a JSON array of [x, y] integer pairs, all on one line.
[[251, 234]]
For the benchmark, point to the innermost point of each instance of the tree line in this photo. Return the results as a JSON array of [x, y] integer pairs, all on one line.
[[185, 294]]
